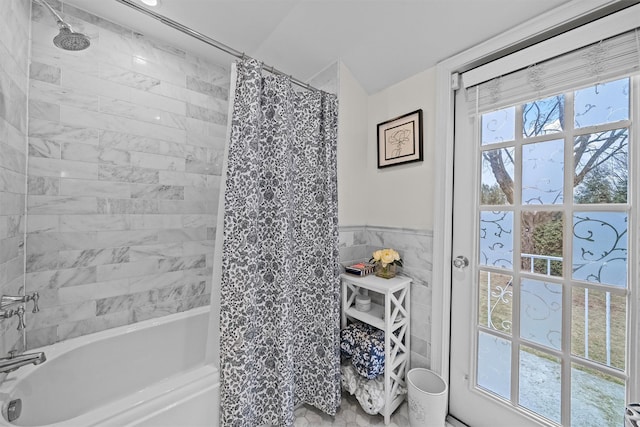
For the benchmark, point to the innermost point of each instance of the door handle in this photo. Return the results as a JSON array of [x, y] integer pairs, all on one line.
[[461, 262]]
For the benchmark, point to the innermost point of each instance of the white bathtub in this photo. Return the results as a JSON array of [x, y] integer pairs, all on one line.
[[151, 374]]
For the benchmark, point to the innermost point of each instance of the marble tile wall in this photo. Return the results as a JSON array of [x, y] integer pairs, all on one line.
[[125, 150], [416, 249], [14, 83]]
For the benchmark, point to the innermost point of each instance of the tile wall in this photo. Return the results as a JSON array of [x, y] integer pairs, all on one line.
[[125, 153], [416, 249], [14, 83]]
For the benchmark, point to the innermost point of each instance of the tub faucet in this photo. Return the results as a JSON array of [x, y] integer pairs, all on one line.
[[8, 300], [13, 362]]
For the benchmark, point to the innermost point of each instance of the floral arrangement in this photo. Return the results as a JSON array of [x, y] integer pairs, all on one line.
[[386, 261]]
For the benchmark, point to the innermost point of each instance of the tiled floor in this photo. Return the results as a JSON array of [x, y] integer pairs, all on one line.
[[350, 414]]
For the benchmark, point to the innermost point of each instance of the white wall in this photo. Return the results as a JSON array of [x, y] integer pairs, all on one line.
[[352, 158], [401, 196], [398, 196]]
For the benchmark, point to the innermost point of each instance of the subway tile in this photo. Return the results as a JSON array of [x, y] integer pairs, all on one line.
[[172, 293], [99, 189], [12, 159], [44, 148], [203, 167], [93, 84], [181, 263], [182, 178], [126, 77], [198, 220], [164, 103], [128, 174], [44, 242], [127, 206], [56, 94], [145, 114], [11, 181], [45, 129], [98, 222], [44, 72], [93, 257], [148, 222], [163, 192], [207, 88], [43, 223], [50, 316], [95, 154], [54, 205], [185, 207], [44, 110], [108, 239], [62, 168], [126, 270], [60, 278], [42, 261], [182, 234], [156, 281], [155, 161], [156, 251], [144, 144], [92, 291], [206, 114], [77, 117]]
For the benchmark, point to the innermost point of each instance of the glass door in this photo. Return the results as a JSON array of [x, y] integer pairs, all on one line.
[[543, 206]]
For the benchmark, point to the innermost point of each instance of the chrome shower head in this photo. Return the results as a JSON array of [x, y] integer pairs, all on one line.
[[68, 39]]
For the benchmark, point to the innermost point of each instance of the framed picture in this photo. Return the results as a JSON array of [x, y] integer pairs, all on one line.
[[400, 140]]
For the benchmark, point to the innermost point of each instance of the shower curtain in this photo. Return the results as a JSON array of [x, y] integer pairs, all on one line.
[[280, 295]]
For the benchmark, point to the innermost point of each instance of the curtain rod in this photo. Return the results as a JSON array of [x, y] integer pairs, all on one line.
[[208, 40]]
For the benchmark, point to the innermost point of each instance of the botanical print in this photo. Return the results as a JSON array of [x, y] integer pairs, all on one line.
[[280, 280]]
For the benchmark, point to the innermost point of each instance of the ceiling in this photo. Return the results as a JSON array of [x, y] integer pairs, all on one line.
[[381, 41]]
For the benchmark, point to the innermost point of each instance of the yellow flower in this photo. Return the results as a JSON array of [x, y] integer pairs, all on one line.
[[377, 255], [387, 257]]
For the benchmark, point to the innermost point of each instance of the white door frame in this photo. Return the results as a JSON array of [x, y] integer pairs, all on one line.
[[444, 141]]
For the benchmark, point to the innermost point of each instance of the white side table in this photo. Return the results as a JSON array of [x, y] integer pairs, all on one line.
[[393, 318]]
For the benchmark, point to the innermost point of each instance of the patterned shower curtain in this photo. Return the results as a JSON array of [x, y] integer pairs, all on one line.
[[279, 313]]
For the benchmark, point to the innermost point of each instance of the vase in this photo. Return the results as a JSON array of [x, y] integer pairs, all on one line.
[[386, 272]]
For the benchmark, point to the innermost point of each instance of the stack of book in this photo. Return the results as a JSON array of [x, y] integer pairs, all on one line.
[[360, 269]]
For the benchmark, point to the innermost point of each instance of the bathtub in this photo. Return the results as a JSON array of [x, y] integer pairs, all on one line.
[[150, 374]]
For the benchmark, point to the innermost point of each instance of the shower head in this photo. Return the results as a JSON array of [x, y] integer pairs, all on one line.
[[67, 39]]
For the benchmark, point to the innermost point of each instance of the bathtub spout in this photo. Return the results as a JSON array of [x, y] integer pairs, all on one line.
[[10, 364]]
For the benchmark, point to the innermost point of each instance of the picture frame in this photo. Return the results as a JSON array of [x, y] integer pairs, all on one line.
[[400, 140]]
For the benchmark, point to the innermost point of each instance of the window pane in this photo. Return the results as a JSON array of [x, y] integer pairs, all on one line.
[[600, 247], [495, 301], [543, 116], [498, 126], [542, 173], [602, 103], [540, 375], [494, 364], [598, 328], [541, 242], [541, 313], [597, 399], [497, 177], [496, 239], [601, 170]]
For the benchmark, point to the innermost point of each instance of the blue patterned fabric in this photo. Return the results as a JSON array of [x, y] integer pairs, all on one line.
[[364, 344]]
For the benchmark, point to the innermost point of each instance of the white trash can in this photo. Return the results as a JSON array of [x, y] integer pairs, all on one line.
[[427, 398]]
